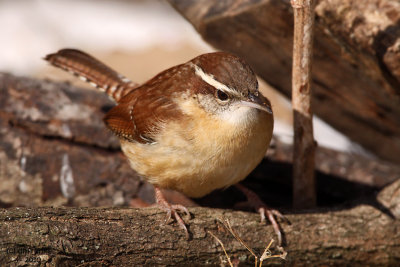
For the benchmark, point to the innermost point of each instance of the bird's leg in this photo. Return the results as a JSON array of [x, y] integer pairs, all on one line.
[[171, 209], [254, 200]]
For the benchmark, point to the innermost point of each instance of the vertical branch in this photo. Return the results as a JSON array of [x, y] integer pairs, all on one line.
[[304, 195]]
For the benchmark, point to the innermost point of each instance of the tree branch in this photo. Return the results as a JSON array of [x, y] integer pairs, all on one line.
[[304, 195]]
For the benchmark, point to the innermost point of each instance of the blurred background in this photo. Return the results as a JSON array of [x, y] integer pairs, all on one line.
[[136, 38]]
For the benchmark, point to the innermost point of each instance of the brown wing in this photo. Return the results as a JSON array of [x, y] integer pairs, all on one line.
[[93, 71], [139, 115]]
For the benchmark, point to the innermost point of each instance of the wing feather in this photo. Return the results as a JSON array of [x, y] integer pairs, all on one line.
[[140, 115]]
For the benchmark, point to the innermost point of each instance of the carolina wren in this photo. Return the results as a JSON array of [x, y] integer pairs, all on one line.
[[194, 128]]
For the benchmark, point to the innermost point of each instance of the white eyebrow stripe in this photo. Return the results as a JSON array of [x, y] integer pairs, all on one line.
[[208, 78]]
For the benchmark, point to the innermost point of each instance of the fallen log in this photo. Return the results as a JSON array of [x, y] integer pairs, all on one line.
[[362, 235]]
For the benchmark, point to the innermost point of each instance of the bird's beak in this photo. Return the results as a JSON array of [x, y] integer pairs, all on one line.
[[258, 102]]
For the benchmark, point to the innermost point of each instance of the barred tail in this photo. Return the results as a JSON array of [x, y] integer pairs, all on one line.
[[91, 70]]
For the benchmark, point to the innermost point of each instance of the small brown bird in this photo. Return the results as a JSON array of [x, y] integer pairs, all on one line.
[[194, 128]]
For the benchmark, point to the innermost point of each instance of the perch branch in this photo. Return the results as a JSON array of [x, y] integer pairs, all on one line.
[[132, 237]]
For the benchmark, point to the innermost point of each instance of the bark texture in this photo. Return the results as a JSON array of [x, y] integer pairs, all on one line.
[[56, 151], [356, 58], [304, 195], [130, 237]]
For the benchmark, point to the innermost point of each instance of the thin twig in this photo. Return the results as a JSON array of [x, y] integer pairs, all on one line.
[[266, 255], [223, 248], [229, 227], [304, 195]]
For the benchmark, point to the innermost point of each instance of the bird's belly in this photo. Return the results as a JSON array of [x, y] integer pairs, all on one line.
[[215, 157]]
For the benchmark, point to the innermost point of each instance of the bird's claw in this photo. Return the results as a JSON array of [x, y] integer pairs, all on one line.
[[172, 210], [271, 214], [264, 210]]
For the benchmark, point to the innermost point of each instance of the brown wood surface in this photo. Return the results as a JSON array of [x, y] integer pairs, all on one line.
[[304, 195], [359, 236], [356, 73]]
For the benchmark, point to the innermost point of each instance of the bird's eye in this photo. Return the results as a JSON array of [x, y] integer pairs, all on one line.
[[222, 95]]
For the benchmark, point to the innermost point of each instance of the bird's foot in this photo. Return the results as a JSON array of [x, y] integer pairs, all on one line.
[[172, 210], [255, 202]]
